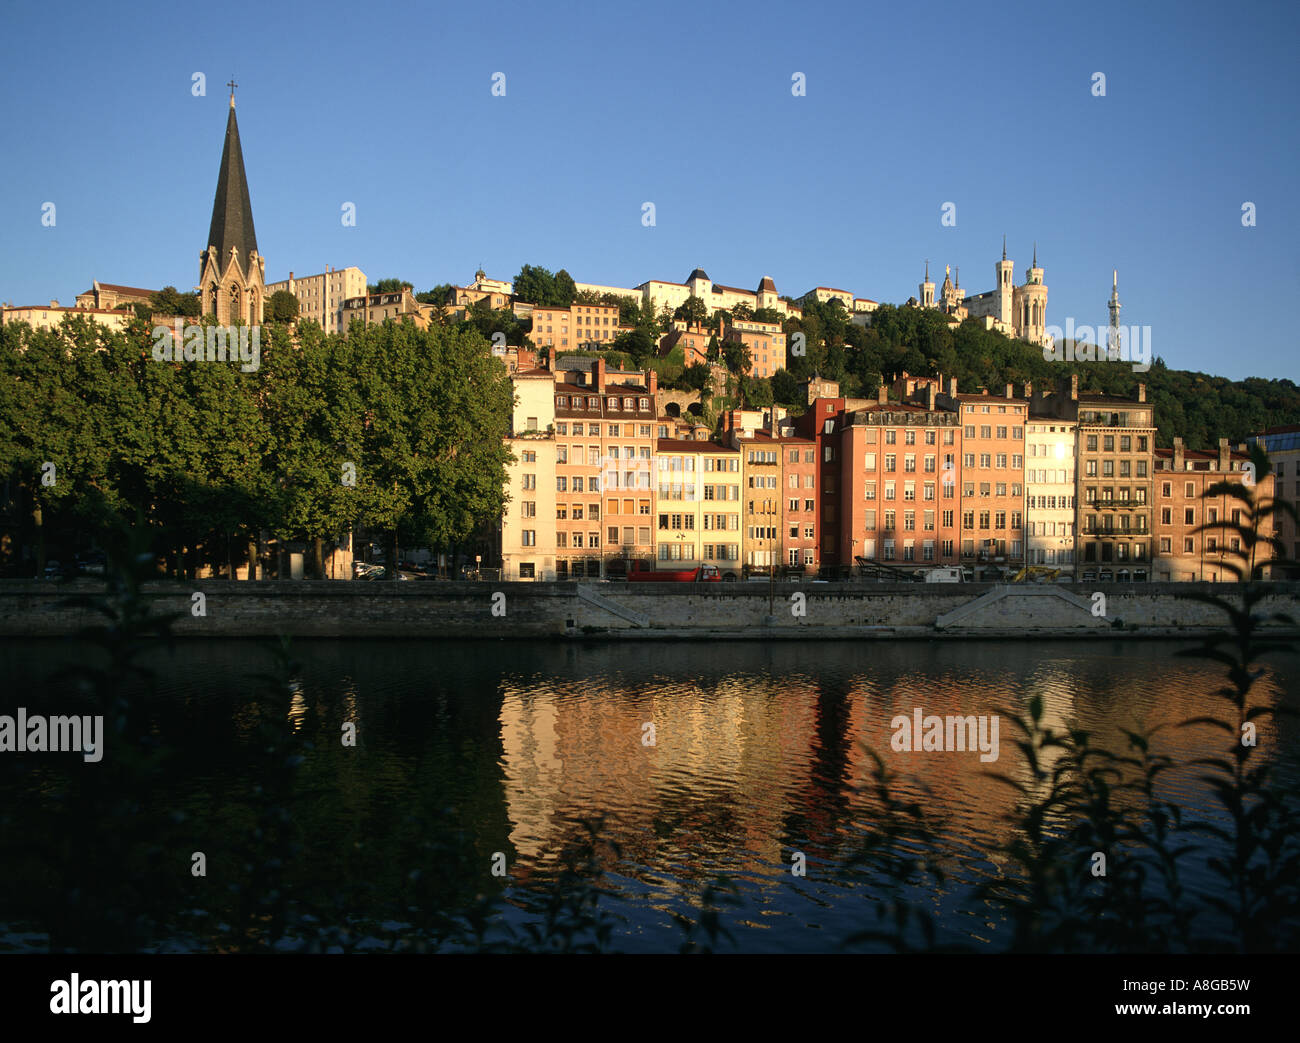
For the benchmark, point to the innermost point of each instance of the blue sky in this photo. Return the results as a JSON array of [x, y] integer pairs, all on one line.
[[988, 106]]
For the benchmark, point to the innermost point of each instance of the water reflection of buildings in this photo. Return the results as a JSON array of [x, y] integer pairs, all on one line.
[[727, 754], [749, 764]]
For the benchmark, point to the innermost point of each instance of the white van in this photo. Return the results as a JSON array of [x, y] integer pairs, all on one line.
[[951, 574]]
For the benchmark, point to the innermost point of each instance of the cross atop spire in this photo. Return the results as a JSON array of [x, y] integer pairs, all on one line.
[[1004, 246], [232, 85]]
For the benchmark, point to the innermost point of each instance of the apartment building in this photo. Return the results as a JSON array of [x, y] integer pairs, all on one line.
[[40, 316], [376, 307], [1182, 479], [321, 297], [1050, 453], [899, 501], [823, 425], [579, 327], [1283, 447], [762, 482], [604, 490], [765, 340], [528, 528], [991, 477], [698, 505], [1114, 465]]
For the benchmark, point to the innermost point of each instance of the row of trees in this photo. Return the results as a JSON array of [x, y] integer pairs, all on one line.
[[389, 428]]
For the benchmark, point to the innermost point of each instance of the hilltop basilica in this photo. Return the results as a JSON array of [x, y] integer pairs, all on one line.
[[1017, 311]]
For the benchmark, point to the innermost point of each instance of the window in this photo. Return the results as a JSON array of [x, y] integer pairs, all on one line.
[[530, 481], [529, 538]]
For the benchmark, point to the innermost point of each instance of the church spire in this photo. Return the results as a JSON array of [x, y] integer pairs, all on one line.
[[1004, 246], [232, 211], [1035, 253]]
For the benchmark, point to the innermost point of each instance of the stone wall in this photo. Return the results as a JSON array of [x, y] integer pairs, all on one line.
[[668, 610]]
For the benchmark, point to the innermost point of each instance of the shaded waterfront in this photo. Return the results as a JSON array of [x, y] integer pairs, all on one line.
[[469, 750]]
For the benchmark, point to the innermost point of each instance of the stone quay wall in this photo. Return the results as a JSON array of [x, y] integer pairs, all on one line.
[[716, 611]]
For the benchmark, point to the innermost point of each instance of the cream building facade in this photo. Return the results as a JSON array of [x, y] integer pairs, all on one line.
[[1050, 453], [528, 522], [50, 316], [577, 327], [321, 297]]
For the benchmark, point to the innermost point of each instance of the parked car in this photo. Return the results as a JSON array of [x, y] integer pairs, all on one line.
[[93, 564], [53, 569]]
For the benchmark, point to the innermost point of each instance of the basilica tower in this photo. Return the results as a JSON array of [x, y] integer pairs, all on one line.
[[232, 273], [927, 289]]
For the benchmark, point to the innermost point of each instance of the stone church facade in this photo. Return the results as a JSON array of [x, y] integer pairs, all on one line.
[[232, 274]]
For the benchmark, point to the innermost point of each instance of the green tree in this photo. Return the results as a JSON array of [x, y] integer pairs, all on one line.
[[169, 301], [736, 357], [535, 285], [786, 391], [281, 306], [696, 376], [442, 294], [692, 311], [565, 290], [389, 286]]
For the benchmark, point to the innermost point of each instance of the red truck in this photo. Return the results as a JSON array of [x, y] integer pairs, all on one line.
[[640, 572]]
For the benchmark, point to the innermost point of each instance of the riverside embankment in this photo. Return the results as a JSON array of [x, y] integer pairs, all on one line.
[[220, 608]]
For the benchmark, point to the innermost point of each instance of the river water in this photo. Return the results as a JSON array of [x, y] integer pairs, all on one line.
[[735, 758]]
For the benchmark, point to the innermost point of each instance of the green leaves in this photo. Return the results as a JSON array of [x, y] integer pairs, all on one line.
[[212, 455]]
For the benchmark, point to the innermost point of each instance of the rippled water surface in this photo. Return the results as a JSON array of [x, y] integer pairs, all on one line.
[[755, 753]]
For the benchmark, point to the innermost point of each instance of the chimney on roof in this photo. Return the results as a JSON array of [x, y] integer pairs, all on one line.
[[1074, 387], [598, 376], [1010, 391], [1142, 392], [54, 304], [882, 395], [1029, 389], [929, 396], [952, 387], [1225, 455], [653, 386], [1178, 453]]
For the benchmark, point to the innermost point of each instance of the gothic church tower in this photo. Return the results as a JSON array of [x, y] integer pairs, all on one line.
[[232, 281]]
